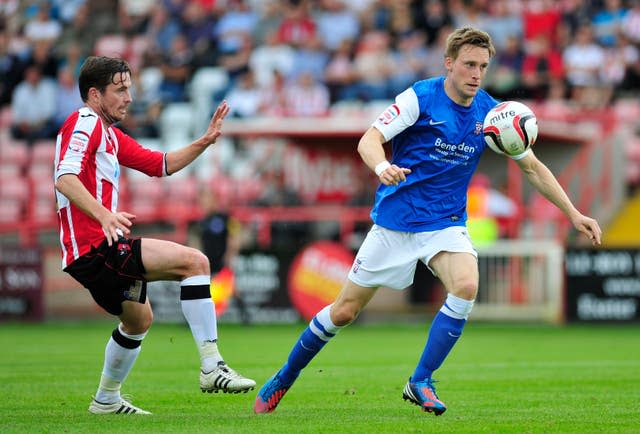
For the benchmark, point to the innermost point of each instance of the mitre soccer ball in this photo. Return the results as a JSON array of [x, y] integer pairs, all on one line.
[[510, 128]]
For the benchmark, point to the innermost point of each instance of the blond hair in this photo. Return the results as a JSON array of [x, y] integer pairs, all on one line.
[[468, 36]]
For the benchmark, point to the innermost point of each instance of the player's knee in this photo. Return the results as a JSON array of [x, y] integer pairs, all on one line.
[[198, 263], [343, 314], [466, 289]]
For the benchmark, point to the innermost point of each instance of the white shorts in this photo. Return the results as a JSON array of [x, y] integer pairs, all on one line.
[[389, 258]]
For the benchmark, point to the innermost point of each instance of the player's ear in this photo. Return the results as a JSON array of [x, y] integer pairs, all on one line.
[[448, 61]]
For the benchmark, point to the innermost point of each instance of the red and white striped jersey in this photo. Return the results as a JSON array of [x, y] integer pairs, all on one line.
[[86, 149]]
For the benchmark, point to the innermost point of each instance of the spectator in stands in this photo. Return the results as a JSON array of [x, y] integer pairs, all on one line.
[[11, 70], [340, 72], [431, 17], [409, 52], [504, 23], [307, 96], [79, 31], [43, 26], [272, 101], [33, 107], [607, 22], [270, 57], [72, 58], [237, 63], [541, 17], [309, 56], [236, 23], [176, 70], [472, 14], [542, 63], [582, 59], [336, 23], [269, 20], [297, 25], [198, 26], [504, 77], [631, 22], [244, 97], [67, 9], [373, 64], [161, 30], [67, 95], [133, 16], [45, 58], [433, 60]]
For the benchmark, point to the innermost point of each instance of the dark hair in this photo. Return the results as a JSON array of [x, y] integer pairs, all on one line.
[[98, 72]]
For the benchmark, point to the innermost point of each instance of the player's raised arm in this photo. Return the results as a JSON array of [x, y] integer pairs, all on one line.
[[546, 183], [181, 158]]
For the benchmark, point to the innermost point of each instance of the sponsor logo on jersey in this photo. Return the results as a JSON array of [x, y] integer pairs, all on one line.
[[391, 113]]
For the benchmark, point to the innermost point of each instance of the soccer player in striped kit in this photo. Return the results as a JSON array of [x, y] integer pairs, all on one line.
[[94, 233], [419, 213]]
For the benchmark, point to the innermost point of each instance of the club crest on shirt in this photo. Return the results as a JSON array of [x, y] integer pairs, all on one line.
[[79, 141], [478, 129], [391, 113]]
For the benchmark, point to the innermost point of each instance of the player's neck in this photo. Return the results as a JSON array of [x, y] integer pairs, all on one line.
[[454, 95], [107, 120]]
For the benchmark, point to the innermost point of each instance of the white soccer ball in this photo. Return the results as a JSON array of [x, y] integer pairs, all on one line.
[[510, 128]]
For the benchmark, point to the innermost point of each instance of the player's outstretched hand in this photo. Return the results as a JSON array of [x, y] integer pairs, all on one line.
[[215, 126], [590, 228], [393, 175], [116, 224]]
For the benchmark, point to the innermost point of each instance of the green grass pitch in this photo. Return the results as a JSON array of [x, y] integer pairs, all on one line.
[[499, 378]]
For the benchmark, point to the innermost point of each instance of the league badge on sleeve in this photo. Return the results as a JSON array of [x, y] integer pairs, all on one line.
[[391, 113]]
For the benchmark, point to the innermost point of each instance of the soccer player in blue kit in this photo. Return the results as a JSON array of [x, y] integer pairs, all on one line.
[[419, 213]]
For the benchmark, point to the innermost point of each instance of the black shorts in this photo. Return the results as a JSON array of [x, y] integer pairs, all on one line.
[[112, 274]]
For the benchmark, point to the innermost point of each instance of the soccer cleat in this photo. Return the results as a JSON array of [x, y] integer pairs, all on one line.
[[270, 395], [423, 394], [121, 407], [226, 379]]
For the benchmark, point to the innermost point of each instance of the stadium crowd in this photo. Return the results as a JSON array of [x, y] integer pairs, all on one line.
[[305, 57], [298, 57]]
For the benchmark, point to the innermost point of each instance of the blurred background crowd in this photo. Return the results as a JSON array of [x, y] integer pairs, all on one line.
[[299, 57]]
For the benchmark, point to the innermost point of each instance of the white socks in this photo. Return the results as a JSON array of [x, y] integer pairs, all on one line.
[[120, 354], [200, 313]]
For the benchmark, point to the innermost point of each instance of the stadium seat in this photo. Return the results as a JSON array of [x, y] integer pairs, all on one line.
[[11, 210], [14, 188], [43, 152], [176, 120], [150, 79], [16, 153], [208, 80], [206, 84]]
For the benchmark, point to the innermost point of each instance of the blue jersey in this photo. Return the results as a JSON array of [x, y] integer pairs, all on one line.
[[441, 142]]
